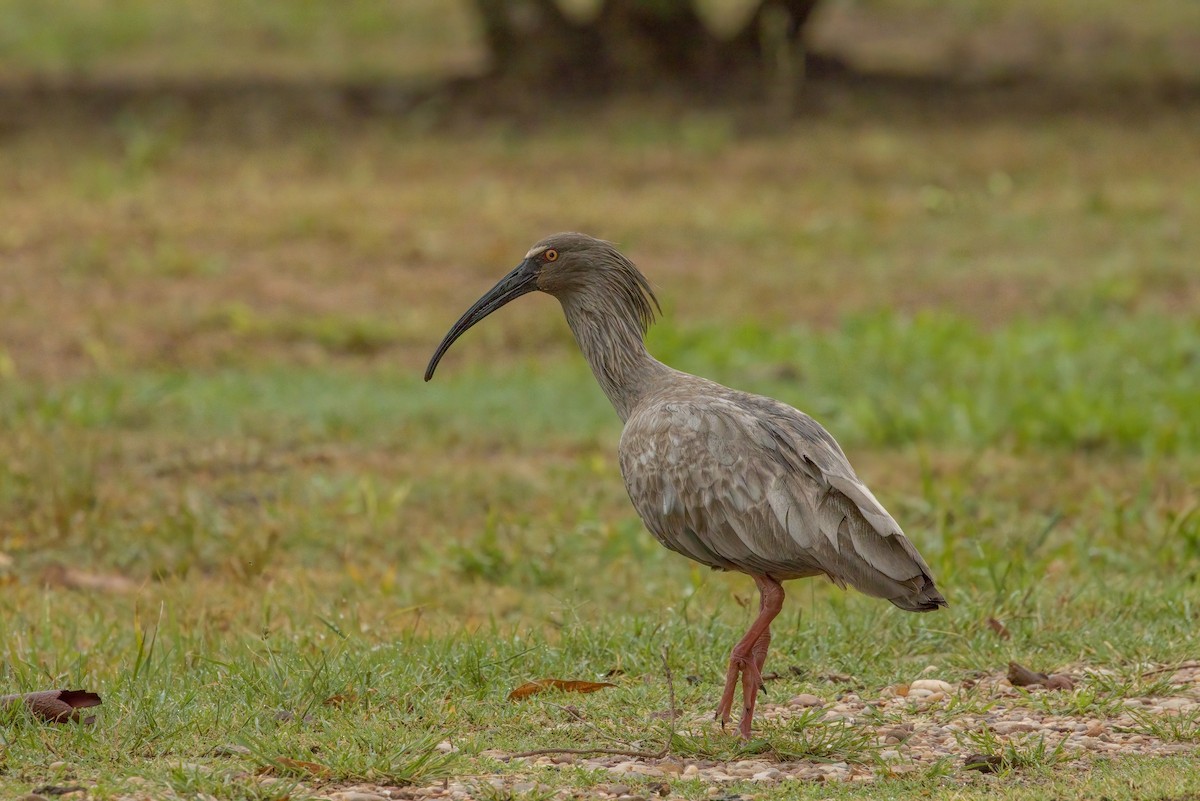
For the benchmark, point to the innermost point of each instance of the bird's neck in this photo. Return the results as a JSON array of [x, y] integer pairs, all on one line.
[[613, 344]]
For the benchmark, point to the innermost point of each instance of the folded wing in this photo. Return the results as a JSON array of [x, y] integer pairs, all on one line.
[[742, 482]]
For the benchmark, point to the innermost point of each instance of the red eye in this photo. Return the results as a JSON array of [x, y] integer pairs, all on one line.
[[550, 255]]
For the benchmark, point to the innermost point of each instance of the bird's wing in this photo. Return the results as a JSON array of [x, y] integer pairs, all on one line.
[[748, 483]]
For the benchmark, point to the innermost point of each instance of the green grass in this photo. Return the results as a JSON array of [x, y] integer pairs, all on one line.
[[421, 549]]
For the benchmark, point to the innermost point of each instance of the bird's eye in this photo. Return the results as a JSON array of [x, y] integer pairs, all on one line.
[[550, 255]]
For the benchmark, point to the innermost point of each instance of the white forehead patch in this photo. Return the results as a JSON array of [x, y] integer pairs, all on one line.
[[536, 250]]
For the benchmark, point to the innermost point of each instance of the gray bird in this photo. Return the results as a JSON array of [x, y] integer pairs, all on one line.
[[732, 480]]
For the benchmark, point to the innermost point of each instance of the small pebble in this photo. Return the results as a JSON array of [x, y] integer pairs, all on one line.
[[933, 685], [806, 699]]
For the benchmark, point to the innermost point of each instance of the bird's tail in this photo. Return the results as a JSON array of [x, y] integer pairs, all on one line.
[[925, 599]]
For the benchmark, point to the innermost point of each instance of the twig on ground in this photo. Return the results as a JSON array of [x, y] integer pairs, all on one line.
[[666, 749], [1191, 663]]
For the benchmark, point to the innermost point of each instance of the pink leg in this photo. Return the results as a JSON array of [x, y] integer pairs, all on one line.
[[749, 655]]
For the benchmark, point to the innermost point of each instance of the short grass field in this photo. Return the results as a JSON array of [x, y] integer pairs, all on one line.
[[230, 505]]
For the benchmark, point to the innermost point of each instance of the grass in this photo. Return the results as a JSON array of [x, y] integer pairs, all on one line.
[[229, 504]]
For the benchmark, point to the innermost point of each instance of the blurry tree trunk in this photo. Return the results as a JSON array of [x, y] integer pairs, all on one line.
[[638, 43]]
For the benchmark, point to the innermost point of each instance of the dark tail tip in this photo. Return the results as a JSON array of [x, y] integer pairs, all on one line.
[[927, 600]]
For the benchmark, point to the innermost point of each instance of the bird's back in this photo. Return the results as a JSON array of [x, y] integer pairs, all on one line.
[[743, 482]]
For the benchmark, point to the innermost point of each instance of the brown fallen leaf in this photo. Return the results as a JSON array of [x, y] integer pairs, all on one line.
[[56, 706], [56, 789], [1060, 681], [999, 628], [1021, 676], [541, 685], [984, 763], [57, 575], [295, 766], [340, 700]]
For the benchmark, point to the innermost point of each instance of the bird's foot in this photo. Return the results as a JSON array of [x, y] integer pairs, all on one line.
[[743, 668], [751, 683], [725, 707]]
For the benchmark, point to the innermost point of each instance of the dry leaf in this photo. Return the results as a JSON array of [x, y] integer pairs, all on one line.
[[56, 706], [984, 763], [999, 628], [299, 765], [340, 700], [57, 789], [57, 575], [1060, 681], [1021, 676], [541, 685]]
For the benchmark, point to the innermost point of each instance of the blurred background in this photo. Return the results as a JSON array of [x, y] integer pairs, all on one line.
[[963, 235]]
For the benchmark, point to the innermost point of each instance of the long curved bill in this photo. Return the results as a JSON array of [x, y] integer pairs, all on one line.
[[521, 281]]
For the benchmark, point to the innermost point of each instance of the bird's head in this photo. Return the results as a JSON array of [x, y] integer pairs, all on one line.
[[567, 266]]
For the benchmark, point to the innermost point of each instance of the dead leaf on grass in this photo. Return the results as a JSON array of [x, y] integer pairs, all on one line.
[[56, 789], [984, 763], [999, 628], [57, 575], [541, 685], [1060, 681], [56, 706], [1021, 676]]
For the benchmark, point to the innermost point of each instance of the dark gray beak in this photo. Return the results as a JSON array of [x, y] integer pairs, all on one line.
[[521, 281]]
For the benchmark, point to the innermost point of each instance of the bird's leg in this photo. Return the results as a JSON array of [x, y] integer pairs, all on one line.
[[760, 656], [749, 654]]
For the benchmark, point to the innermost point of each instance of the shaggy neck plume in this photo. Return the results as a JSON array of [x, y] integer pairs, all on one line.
[[610, 326]]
